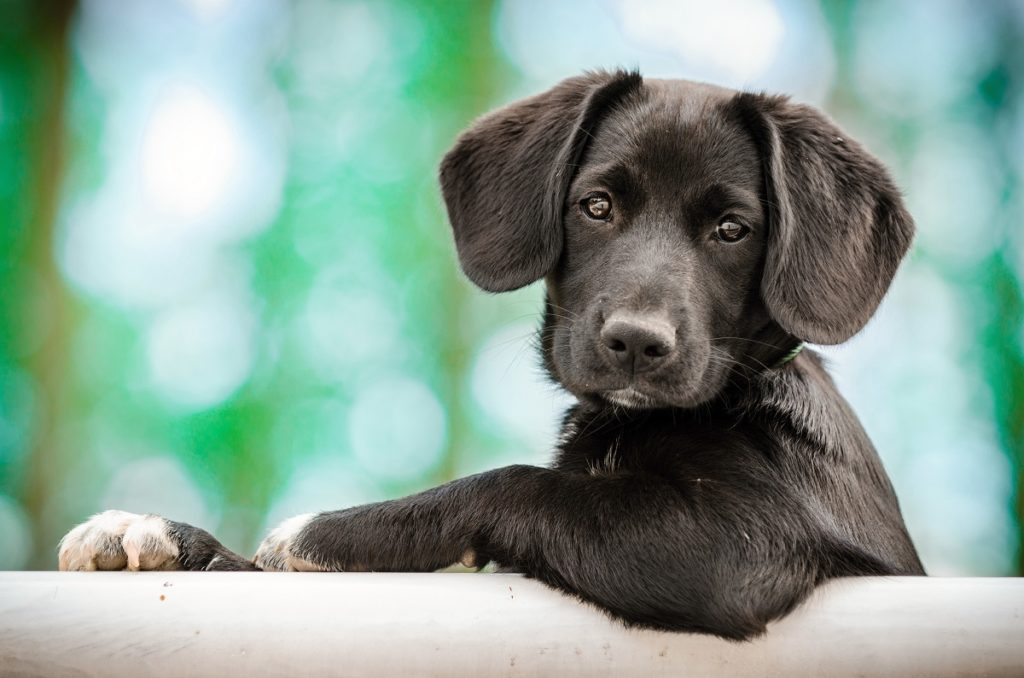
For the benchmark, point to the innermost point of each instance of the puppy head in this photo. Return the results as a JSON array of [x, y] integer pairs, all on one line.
[[683, 230]]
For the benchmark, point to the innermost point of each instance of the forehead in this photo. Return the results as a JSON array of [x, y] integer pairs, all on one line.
[[674, 136]]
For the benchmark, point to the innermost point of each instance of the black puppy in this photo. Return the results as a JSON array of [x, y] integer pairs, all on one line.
[[691, 239]]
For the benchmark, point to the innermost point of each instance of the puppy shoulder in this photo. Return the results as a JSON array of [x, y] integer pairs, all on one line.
[[801, 398]]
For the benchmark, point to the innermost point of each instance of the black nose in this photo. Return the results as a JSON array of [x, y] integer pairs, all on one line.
[[637, 343]]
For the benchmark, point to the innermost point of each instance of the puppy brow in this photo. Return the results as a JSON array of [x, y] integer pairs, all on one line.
[[719, 198], [619, 179]]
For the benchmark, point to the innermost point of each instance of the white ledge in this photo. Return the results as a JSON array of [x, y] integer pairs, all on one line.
[[227, 624]]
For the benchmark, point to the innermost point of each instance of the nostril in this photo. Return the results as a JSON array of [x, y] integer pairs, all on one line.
[[656, 351], [616, 345]]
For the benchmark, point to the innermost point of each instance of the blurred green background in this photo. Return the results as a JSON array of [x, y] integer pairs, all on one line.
[[228, 294]]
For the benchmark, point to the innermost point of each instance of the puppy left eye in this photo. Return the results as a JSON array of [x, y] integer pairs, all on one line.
[[597, 206], [731, 231]]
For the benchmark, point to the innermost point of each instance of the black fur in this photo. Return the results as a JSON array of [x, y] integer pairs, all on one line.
[[200, 550], [698, 485]]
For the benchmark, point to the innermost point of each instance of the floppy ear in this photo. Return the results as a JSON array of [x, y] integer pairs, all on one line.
[[837, 225], [505, 181]]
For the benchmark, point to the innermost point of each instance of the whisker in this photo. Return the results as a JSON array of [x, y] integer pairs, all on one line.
[[751, 341], [568, 314], [734, 361]]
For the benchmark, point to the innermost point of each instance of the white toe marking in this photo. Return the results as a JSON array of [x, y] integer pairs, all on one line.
[[116, 540], [274, 553], [79, 547], [146, 542]]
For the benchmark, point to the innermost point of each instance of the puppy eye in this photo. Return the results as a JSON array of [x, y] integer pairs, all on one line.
[[597, 206], [731, 231]]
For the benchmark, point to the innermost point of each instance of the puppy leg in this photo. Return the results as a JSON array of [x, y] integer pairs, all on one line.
[[641, 548], [275, 553], [393, 536], [420, 533], [117, 540]]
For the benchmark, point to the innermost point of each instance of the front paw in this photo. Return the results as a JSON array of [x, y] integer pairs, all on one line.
[[116, 540], [277, 554]]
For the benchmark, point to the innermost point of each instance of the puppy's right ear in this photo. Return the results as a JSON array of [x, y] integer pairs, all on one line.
[[505, 181], [837, 226]]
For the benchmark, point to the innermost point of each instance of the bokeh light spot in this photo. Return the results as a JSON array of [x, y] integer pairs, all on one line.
[[324, 483], [15, 535], [347, 329], [737, 39], [200, 353], [189, 153], [159, 485], [18, 403], [209, 10], [947, 228], [510, 387], [908, 77], [398, 429]]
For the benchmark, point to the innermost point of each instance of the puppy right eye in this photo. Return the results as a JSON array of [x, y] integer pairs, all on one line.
[[597, 206]]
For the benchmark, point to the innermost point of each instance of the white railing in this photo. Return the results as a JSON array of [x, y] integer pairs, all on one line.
[[394, 625]]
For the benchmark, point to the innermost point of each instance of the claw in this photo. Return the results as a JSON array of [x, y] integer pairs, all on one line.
[[468, 558]]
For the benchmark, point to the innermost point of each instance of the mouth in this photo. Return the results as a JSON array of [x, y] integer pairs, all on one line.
[[629, 397]]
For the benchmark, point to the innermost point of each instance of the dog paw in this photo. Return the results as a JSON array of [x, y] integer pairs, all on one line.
[[116, 540], [276, 553]]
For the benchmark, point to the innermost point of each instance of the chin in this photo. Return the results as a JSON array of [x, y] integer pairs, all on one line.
[[675, 389], [683, 393], [632, 399]]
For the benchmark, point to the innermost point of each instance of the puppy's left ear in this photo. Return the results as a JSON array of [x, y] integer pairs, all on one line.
[[837, 225], [506, 179]]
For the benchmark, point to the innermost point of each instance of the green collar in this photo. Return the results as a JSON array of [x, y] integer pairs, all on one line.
[[788, 358]]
